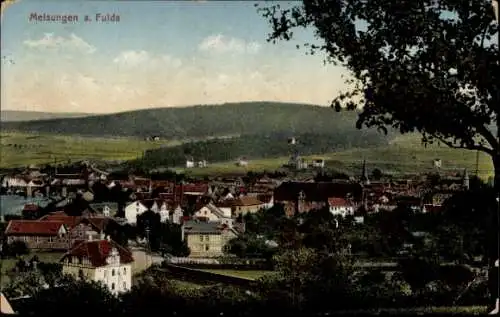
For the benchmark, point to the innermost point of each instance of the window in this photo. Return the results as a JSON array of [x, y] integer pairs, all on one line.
[[207, 247], [124, 270], [113, 286], [206, 237], [201, 238], [105, 273], [124, 285], [113, 273]]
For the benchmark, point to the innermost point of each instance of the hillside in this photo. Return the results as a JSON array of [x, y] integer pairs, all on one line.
[[260, 146], [201, 121], [404, 155], [14, 116]]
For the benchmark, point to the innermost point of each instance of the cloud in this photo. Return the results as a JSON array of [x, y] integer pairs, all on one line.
[[222, 44], [142, 58], [73, 42]]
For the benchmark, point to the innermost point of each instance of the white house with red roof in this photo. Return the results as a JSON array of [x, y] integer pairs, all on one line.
[[38, 234], [340, 206], [101, 260]]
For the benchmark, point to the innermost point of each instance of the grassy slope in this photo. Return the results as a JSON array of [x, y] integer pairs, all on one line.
[[404, 155], [43, 148]]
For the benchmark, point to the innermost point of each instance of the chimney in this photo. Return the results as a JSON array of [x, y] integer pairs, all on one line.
[[103, 236], [29, 191], [90, 237], [47, 191], [108, 238], [64, 192]]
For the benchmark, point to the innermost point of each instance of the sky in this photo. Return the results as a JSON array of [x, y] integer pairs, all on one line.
[[159, 54]]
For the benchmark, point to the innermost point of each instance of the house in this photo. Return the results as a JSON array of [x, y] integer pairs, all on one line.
[[14, 181], [210, 212], [411, 202], [133, 210], [31, 211], [89, 226], [318, 163], [243, 205], [100, 260], [202, 163], [299, 197], [108, 209], [340, 206], [267, 200], [207, 239], [189, 163], [242, 162], [176, 215], [51, 235]]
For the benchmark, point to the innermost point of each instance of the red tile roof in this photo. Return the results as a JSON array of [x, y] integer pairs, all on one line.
[[33, 228], [69, 221], [142, 182], [31, 207], [246, 201], [336, 202], [98, 251], [195, 188]]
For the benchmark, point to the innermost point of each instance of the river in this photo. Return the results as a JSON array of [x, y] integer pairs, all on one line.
[[14, 204]]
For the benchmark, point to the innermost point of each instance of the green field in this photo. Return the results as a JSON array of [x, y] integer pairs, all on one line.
[[404, 155], [22, 149]]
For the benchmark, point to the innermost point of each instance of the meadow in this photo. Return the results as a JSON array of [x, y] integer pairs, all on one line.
[[404, 155], [23, 149]]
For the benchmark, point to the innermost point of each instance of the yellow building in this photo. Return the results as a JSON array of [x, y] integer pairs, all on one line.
[[207, 239]]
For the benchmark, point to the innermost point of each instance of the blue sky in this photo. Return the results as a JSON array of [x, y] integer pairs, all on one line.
[[160, 54]]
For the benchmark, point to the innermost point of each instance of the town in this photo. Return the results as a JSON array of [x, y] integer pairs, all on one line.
[[233, 158], [116, 227]]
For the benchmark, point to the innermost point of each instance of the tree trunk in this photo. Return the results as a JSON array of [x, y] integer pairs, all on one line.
[[493, 273]]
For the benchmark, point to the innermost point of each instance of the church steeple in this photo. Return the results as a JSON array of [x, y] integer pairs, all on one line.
[[364, 174], [465, 180]]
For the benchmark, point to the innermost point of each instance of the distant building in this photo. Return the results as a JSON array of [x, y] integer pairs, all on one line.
[[242, 162], [202, 163], [318, 163], [190, 163]]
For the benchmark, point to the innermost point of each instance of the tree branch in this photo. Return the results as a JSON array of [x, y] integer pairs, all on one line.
[[476, 147]]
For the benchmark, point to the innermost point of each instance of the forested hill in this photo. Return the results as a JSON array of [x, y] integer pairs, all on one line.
[[14, 115], [200, 121]]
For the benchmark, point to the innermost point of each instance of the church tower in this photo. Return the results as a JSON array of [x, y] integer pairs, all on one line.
[[465, 180], [364, 175], [300, 202]]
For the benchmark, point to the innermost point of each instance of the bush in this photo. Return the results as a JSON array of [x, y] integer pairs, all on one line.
[[16, 248]]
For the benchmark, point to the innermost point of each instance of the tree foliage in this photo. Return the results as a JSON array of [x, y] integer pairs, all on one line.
[[427, 66]]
